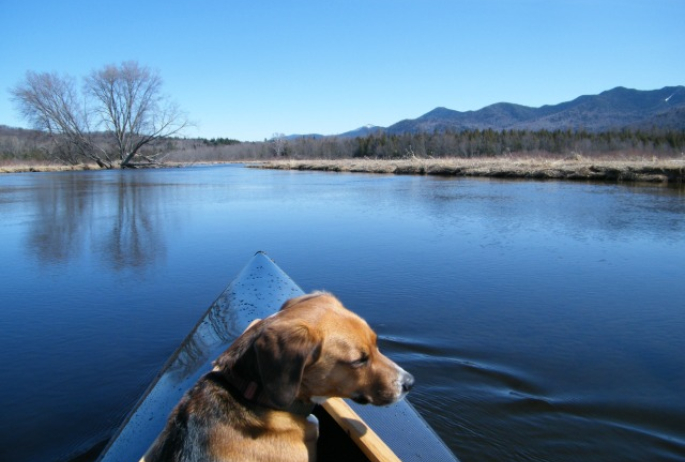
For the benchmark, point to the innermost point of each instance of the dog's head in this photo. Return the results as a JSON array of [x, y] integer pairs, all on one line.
[[313, 349]]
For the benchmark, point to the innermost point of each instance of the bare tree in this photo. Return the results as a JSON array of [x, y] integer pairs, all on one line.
[[280, 144], [125, 102], [51, 103], [132, 107]]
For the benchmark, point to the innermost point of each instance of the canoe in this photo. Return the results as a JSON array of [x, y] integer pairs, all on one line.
[[348, 431]]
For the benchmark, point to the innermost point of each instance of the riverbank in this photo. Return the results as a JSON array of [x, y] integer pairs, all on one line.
[[21, 167], [24, 167], [655, 170]]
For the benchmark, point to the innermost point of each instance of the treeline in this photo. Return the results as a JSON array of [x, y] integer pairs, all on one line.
[[17, 144], [25, 145], [220, 141], [484, 143], [469, 143]]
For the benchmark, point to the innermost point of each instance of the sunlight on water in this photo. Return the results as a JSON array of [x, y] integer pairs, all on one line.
[[542, 320]]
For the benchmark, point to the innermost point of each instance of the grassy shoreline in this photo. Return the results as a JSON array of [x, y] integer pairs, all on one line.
[[23, 167], [37, 167], [655, 170]]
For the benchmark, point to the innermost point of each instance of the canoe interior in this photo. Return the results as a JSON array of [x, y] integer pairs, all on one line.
[[334, 443]]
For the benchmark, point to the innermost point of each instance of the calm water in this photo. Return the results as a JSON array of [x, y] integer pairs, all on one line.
[[543, 321]]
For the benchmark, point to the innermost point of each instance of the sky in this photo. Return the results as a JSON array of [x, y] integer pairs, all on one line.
[[250, 69]]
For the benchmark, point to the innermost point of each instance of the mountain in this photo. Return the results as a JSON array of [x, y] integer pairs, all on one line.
[[366, 130], [313, 136], [613, 109]]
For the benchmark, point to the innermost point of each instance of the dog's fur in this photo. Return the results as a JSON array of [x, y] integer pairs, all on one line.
[[312, 349]]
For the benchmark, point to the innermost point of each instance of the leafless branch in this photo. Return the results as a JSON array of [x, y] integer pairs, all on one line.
[[124, 102]]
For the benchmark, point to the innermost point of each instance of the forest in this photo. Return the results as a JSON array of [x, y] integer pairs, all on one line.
[[463, 144], [30, 145]]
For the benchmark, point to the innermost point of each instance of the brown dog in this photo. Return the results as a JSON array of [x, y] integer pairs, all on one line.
[[253, 406]]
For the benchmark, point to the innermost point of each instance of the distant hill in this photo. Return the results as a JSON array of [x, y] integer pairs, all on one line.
[[311, 136], [613, 109], [366, 130], [359, 132]]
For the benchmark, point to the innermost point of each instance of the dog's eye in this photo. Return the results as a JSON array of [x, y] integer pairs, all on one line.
[[362, 361]]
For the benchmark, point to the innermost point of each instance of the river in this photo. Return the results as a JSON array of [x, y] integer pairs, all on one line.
[[543, 321]]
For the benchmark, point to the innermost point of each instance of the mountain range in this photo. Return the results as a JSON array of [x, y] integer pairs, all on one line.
[[613, 109]]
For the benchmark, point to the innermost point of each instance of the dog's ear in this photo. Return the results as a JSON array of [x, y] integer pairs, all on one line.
[[242, 344], [283, 350]]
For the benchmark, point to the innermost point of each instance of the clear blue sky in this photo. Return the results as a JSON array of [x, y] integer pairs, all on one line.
[[248, 69]]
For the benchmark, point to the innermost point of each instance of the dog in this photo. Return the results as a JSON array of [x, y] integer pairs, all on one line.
[[254, 405]]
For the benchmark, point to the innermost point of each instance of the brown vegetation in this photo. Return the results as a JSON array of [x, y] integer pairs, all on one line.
[[462, 144], [42, 166], [11, 166], [653, 170], [637, 169]]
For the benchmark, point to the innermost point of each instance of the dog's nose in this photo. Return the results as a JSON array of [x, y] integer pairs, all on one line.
[[407, 382]]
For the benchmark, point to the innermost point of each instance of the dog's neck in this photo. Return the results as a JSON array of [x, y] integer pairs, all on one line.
[[252, 392]]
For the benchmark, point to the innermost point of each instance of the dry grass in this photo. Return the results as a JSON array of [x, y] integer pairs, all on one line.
[[654, 170], [36, 166], [29, 166], [635, 169]]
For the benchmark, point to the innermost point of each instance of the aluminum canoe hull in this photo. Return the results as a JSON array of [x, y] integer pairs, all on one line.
[[257, 292]]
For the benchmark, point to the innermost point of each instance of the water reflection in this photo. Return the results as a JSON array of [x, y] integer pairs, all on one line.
[[566, 208], [534, 314], [62, 208], [216, 329], [133, 238], [114, 215]]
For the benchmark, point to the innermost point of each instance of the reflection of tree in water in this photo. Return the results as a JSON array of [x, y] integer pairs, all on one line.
[[256, 296], [62, 202], [80, 211], [132, 240], [215, 331]]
